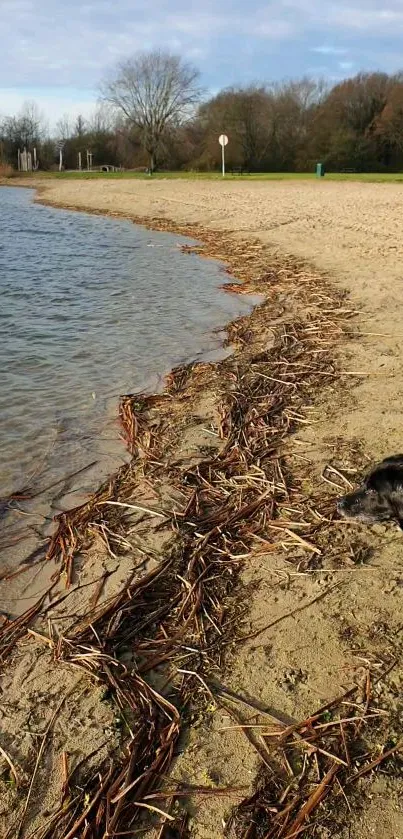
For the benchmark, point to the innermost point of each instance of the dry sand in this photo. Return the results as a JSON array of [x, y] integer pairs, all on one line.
[[354, 232]]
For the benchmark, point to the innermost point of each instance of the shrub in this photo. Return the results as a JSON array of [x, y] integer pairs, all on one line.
[[7, 171]]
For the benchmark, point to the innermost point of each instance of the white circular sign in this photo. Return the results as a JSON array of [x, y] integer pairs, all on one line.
[[223, 140]]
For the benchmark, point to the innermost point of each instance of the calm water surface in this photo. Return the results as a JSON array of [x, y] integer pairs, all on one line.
[[90, 308]]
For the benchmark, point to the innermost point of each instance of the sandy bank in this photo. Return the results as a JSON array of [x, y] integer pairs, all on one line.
[[353, 231]]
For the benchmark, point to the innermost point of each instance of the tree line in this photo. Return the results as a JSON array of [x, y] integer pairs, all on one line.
[[153, 113]]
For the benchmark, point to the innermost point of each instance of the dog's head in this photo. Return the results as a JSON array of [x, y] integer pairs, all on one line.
[[380, 497]]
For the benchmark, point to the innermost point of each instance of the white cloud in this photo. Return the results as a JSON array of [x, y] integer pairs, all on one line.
[[271, 29], [346, 65], [52, 47], [53, 104], [328, 50], [366, 18], [198, 24]]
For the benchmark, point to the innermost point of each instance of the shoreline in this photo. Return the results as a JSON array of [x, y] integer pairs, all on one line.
[[213, 354], [296, 301]]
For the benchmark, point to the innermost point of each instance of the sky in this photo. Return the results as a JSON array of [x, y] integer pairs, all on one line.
[[56, 52]]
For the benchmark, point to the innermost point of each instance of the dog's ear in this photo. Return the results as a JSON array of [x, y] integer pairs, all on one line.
[[387, 477], [387, 480], [393, 460]]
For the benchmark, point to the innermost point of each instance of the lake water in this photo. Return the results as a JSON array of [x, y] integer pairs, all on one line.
[[90, 308]]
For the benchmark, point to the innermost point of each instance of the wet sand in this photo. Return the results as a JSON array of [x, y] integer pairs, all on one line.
[[354, 233]]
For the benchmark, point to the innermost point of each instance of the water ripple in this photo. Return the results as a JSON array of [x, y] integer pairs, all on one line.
[[91, 308]]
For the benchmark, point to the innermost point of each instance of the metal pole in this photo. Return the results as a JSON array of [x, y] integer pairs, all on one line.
[[223, 160]]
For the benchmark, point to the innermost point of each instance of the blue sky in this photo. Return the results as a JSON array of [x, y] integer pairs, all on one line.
[[56, 52]]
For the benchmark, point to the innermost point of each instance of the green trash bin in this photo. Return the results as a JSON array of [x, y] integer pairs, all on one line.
[[320, 170]]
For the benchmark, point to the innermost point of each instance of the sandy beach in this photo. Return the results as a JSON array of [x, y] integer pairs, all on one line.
[[351, 230], [330, 595]]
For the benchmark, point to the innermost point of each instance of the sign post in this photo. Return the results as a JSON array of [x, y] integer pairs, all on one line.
[[223, 141]]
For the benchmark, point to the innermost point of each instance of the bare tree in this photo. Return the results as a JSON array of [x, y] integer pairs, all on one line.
[[244, 113], [64, 128], [154, 90], [103, 119], [79, 126], [27, 128], [389, 123]]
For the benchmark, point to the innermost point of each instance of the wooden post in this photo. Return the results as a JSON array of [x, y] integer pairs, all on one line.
[[19, 161], [79, 161], [60, 159], [29, 162], [35, 160]]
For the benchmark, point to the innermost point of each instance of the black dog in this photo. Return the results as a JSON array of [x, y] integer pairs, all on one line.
[[380, 497]]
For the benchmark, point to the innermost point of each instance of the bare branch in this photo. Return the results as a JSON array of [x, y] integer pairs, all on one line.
[[154, 91]]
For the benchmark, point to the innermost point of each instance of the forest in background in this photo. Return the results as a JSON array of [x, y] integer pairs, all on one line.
[[280, 127]]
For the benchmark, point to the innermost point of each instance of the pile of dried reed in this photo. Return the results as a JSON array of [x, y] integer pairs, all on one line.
[[304, 764], [175, 623]]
